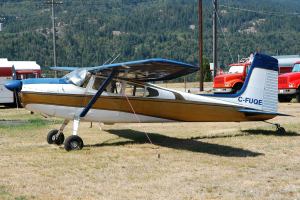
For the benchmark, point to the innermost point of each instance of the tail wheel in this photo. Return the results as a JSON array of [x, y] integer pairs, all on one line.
[[281, 131], [73, 142]]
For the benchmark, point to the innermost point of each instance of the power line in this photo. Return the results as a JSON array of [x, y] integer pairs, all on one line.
[[226, 41]]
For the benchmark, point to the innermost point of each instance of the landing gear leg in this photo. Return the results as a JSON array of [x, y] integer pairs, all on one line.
[[56, 136], [74, 142], [280, 130]]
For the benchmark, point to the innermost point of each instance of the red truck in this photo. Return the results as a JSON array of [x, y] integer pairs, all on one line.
[[233, 81], [289, 85]]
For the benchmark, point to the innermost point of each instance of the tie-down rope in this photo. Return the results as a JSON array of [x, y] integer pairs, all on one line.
[[137, 117]]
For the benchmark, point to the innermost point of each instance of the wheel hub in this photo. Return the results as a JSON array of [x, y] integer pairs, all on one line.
[[74, 145]]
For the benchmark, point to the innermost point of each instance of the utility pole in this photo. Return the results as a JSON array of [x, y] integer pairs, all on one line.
[[53, 35], [200, 43], [215, 46], [54, 32]]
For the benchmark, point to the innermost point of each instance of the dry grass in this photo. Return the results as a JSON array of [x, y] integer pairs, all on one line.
[[188, 161]]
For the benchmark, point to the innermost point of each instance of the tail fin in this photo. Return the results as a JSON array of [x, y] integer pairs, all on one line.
[[260, 89]]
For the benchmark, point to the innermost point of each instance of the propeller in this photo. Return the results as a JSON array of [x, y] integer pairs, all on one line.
[[14, 73], [15, 86]]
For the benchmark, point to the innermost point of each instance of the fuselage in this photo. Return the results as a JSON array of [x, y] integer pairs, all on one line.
[[125, 102]]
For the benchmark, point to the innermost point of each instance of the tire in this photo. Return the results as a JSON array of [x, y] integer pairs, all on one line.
[[281, 131], [60, 139], [284, 98], [237, 87], [298, 97], [51, 136], [73, 142]]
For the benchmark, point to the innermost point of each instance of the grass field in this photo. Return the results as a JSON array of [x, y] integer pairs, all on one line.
[[186, 161]]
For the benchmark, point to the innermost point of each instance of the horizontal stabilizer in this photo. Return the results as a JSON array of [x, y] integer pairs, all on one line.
[[255, 112]]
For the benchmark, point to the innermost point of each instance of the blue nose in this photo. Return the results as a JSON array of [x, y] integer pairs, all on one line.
[[14, 85]]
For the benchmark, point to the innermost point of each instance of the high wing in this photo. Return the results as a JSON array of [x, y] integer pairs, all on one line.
[[155, 69]]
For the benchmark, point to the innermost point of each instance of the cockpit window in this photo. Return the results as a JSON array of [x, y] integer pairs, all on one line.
[[77, 77]]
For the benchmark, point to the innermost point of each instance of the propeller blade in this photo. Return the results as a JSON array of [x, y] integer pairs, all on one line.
[[15, 86], [14, 73]]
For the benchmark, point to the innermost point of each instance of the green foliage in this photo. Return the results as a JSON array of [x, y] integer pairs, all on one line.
[[26, 124], [90, 32]]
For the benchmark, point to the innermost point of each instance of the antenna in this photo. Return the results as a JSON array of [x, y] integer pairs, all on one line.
[[113, 59]]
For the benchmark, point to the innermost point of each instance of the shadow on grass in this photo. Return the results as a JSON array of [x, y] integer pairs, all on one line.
[[250, 132], [269, 132], [138, 137]]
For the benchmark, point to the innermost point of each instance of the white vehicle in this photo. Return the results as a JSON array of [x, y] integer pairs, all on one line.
[[23, 69]]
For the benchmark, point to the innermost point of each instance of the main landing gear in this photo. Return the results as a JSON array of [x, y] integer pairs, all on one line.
[[73, 142]]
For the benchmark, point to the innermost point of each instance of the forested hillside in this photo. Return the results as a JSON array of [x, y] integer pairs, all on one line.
[[90, 32]]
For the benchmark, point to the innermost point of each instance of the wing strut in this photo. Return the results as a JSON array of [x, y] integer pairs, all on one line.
[[99, 92], [74, 141]]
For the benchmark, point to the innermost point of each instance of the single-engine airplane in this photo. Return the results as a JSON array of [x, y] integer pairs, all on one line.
[[122, 93]]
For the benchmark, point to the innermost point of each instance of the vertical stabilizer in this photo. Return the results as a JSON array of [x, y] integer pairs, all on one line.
[[260, 89]]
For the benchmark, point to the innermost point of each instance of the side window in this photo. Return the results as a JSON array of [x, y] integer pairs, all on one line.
[[152, 92], [135, 90]]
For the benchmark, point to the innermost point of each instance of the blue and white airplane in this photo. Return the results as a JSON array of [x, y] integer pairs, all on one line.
[[121, 93]]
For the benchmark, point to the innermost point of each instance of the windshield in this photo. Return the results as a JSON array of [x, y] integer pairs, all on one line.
[[236, 69], [77, 77], [296, 68]]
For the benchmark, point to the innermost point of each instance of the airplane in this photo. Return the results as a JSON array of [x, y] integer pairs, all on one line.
[[124, 93]]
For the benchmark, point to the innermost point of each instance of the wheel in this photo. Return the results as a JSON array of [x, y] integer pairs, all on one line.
[[284, 98], [60, 139], [237, 87], [73, 142], [281, 131], [298, 97], [53, 138]]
